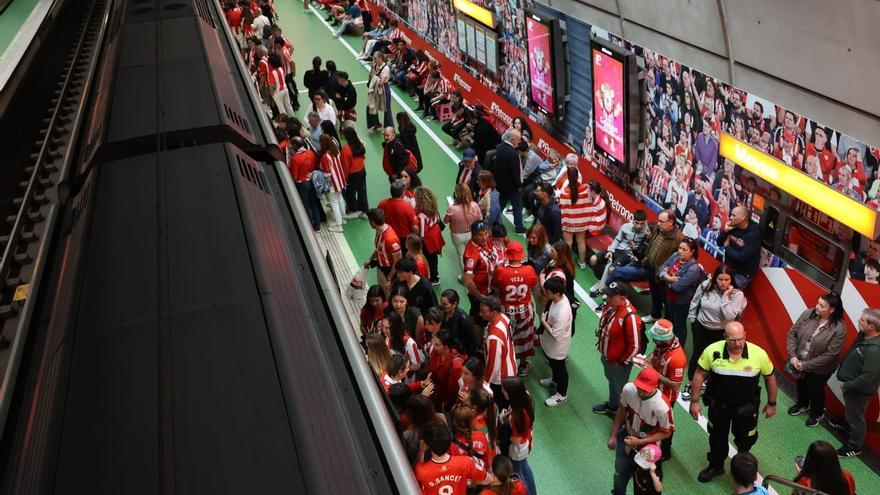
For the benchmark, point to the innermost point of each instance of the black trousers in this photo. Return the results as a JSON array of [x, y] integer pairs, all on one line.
[[702, 338], [741, 420], [290, 82], [432, 265], [658, 294], [454, 129], [475, 311], [811, 392], [356, 192], [560, 375]]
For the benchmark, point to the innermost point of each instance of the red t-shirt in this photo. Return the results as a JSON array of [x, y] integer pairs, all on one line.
[[447, 478], [807, 482], [400, 215], [479, 444], [370, 317], [302, 163], [422, 267], [519, 488], [351, 163], [445, 375]]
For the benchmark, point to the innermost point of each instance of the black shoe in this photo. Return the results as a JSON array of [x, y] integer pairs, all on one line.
[[836, 423], [595, 292], [796, 410], [812, 422], [707, 474], [605, 408], [847, 451]]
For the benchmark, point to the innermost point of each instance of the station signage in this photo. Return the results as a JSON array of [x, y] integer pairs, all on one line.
[[846, 210], [475, 12]]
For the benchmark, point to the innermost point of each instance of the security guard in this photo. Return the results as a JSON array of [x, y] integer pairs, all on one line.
[[733, 395]]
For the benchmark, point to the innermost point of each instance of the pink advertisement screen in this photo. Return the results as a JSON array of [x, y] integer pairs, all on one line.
[[540, 71], [608, 104]]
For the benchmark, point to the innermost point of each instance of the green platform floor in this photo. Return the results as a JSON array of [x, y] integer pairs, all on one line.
[[12, 19], [569, 455]]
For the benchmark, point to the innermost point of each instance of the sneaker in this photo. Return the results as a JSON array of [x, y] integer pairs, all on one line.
[[797, 410], [595, 292], [524, 370], [836, 423], [509, 209], [604, 408], [521, 231], [555, 400], [547, 382], [847, 451], [435, 282], [353, 215], [707, 474], [812, 422], [336, 229], [600, 308], [686, 393], [649, 319], [583, 266], [460, 279]]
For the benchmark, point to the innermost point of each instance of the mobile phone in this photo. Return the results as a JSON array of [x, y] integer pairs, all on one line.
[[799, 461]]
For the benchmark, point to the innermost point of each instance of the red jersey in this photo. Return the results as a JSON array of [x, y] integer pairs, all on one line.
[[370, 318], [422, 268], [479, 262], [302, 163], [827, 160], [351, 163], [500, 356], [519, 488], [515, 285], [620, 333], [670, 364], [276, 79], [387, 245], [333, 165], [400, 215], [233, 16], [445, 374], [449, 477], [479, 444]]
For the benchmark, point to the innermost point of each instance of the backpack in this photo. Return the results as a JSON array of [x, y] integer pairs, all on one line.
[[320, 181], [412, 162]]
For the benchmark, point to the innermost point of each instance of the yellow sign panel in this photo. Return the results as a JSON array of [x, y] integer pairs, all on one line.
[[473, 10], [21, 292], [837, 205]]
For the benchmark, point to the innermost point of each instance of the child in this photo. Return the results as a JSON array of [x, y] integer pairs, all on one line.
[[647, 480]]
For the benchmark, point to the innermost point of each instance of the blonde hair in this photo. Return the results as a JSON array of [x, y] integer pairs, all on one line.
[[462, 195], [426, 202], [377, 352]]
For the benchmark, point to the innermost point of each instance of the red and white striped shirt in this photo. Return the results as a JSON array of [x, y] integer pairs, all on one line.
[[413, 353], [444, 86], [332, 165], [583, 215], [500, 356], [387, 245], [276, 79], [620, 332]]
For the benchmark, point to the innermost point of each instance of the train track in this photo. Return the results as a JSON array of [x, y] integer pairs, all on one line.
[[25, 235]]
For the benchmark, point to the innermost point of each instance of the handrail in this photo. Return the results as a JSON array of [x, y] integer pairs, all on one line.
[[803, 490]]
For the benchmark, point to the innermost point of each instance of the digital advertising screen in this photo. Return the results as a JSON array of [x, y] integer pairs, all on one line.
[[609, 103], [539, 43]]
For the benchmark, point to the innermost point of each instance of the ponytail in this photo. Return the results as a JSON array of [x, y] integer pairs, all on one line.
[[573, 184]]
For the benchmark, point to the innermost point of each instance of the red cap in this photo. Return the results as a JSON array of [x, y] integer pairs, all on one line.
[[647, 380], [515, 251]]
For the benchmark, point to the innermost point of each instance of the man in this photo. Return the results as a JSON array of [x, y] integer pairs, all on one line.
[[278, 86], [744, 471], [500, 356], [282, 48], [302, 162], [420, 292], [669, 360], [620, 339], [663, 240], [350, 17], [479, 263], [790, 125], [623, 249], [445, 367], [394, 155], [549, 214], [514, 282], [859, 374], [733, 397], [644, 418], [530, 162], [314, 128], [698, 199], [387, 252], [547, 171], [398, 212], [261, 22], [345, 98], [445, 474], [741, 238], [468, 170], [508, 176]]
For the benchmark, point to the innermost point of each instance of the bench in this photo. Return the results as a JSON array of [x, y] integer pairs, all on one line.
[[603, 240]]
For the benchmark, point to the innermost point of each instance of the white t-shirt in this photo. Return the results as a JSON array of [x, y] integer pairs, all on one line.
[[645, 417], [557, 340]]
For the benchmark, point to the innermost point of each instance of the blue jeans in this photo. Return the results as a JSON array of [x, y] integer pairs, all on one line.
[[311, 202], [524, 471], [628, 273], [741, 281], [389, 118], [617, 377], [678, 313], [515, 199], [623, 465], [343, 26]]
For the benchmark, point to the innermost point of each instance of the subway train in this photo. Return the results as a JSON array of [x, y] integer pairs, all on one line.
[[187, 336]]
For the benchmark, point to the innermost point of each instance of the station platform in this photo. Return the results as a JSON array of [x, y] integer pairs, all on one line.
[[19, 23]]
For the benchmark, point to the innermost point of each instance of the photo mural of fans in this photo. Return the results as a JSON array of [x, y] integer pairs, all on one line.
[[680, 168]]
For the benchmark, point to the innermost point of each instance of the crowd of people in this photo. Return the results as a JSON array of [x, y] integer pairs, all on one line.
[[454, 376]]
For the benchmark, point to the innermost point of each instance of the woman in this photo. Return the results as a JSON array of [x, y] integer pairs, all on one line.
[[400, 341], [463, 212], [411, 318], [406, 131], [715, 302], [378, 93], [488, 198], [522, 126], [420, 413], [556, 322], [353, 154], [520, 415], [538, 249], [378, 353], [560, 265], [412, 181], [427, 213], [682, 274], [331, 165], [583, 211], [485, 413], [821, 471], [373, 311], [472, 377], [329, 128], [414, 251], [469, 441], [459, 324], [506, 482], [813, 345], [322, 105]]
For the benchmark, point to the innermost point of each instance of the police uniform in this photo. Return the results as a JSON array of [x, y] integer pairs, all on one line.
[[733, 397]]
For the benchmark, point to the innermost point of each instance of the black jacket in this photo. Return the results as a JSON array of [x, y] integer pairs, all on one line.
[[550, 217], [315, 80], [508, 170], [485, 138], [347, 97], [743, 253]]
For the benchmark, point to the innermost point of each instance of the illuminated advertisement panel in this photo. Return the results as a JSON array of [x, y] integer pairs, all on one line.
[[609, 103], [540, 57]]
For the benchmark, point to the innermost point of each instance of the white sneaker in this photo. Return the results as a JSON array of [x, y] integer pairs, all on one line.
[[582, 265], [555, 400], [547, 382], [353, 215], [336, 228], [648, 319]]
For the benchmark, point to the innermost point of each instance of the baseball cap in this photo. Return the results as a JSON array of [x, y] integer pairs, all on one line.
[[647, 380], [662, 330], [614, 289], [469, 154], [515, 251], [649, 455]]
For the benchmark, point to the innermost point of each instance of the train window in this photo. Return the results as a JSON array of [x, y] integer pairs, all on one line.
[[819, 252]]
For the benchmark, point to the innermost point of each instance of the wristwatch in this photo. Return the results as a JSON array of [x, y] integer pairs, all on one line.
[[771, 403]]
